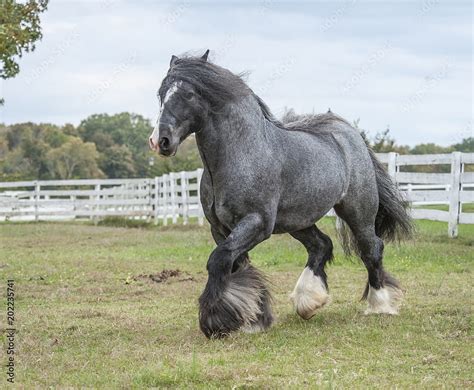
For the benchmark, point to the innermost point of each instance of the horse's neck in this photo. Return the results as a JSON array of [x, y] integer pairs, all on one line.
[[239, 130]]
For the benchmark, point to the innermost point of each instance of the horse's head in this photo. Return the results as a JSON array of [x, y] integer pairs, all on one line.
[[182, 111]]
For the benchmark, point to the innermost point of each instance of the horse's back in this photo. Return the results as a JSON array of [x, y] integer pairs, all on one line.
[[334, 135], [332, 142], [327, 161], [360, 184]]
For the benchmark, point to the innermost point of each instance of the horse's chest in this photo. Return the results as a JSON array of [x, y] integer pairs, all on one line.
[[234, 200], [228, 209], [222, 203]]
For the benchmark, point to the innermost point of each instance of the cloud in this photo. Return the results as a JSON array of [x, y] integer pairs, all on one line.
[[110, 56]]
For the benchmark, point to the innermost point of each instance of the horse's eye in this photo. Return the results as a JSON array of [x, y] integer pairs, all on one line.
[[189, 95]]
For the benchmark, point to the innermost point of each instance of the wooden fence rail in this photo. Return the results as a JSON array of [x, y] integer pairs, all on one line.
[[175, 196]]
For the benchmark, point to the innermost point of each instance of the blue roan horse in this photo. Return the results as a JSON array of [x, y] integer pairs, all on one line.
[[263, 177]]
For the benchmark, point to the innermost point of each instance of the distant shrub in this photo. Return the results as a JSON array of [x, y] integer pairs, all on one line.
[[124, 222]]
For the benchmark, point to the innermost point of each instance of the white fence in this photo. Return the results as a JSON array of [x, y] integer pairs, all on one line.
[[175, 196], [165, 198], [453, 189]]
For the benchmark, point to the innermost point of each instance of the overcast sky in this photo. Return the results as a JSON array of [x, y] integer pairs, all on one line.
[[407, 65]]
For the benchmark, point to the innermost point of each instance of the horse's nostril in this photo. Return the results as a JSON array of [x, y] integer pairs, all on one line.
[[164, 143], [151, 143]]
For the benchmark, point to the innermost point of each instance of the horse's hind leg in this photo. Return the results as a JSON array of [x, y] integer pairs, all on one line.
[[311, 290], [382, 292]]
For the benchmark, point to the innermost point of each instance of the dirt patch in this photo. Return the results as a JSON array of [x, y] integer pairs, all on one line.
[[34, 278], [162, 276]]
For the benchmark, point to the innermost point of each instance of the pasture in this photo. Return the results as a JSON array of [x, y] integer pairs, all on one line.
[[87, 314]]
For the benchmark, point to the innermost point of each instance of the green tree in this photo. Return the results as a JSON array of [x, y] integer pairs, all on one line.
[[14, 166], [382, 142], [54, 136], [117, 162], [35, 152], [28, 146], [3, 147], [74, 159], [19, 30], [466, 145], [125, 128], [430, 148]]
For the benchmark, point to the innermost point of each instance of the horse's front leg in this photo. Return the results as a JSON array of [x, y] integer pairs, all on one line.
[[240, 299]]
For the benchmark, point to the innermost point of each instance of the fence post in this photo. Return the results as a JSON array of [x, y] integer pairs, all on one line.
[[392, 165], [200, 210], [37, 196], [165, 199], [73, 201], [409, 191], [157, 199], [454, 206], [184, 197], [149, 208], [95, 217], [174, 211]]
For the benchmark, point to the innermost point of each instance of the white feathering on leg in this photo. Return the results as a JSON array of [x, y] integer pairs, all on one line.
[[246, 300], [309, 294], [385, 300]]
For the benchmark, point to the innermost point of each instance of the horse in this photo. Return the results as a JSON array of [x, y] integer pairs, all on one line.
[[263, 177]]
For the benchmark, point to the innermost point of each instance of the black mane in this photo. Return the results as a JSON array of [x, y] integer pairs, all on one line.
[[310, 123], [219, 86]]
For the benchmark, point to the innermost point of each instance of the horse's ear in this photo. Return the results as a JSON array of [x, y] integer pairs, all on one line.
[[173, 60], [204, 56]]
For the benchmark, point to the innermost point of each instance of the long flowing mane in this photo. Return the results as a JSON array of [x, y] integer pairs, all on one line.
[[220, 86], [312, 123]]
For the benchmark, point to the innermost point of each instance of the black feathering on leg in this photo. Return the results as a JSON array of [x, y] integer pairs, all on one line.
[[240, 301], [386, 280]]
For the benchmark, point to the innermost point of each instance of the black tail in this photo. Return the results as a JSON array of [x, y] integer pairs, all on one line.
[[393, 221]]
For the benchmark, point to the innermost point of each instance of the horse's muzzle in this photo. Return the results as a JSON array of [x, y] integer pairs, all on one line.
[[152, 144], [164, 144]]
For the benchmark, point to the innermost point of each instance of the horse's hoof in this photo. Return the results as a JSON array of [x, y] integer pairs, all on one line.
[[244, 303], [385, 300], [309, 295]]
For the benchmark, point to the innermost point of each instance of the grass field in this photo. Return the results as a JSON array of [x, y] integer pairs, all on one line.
[[466, 208], [84, 318]]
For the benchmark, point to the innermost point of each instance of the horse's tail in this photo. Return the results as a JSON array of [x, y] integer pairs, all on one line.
[[393, 221]]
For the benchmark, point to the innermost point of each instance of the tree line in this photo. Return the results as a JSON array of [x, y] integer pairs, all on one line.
[[102, 146], [115, 146]]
